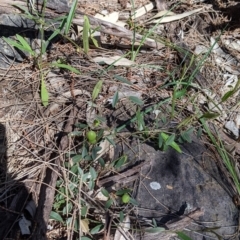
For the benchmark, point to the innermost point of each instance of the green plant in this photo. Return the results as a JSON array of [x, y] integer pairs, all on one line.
[[21, 44], [183, 236], [223, 153], [165, 140], [134, 53], [88, 34], [80, 176]]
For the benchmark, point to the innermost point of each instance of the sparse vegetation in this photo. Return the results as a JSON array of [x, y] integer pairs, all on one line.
[[166, 114]]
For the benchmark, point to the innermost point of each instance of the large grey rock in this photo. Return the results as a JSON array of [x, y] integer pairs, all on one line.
[[184, 186]]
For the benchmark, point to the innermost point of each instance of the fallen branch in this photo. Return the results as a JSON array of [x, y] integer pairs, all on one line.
[[174, 226], [54, 10]]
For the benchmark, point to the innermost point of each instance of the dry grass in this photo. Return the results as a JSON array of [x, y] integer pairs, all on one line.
[[37, 137]]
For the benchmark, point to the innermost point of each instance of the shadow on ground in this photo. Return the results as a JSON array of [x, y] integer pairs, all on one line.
[[17, 208], [230, 10]]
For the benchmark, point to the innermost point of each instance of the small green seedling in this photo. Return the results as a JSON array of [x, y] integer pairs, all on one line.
[[97, 89], [168, 140], [88, 33], [21, 44]]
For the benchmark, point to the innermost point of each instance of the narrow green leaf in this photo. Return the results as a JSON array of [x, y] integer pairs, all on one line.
[[18, 46], [86, 28], [115, 99], [199, 132], [24, 43], [75, 134], [26, 12], [95, 42], [84, 151], [53, 35], [180, 93], [210, 115], [97, 89], [88, 158], [44, 94], [190, 130], [231, 92], [58, 19], [175, 146], [122, 79], [95, 151], [122, 191], [133, 201], [140, 120], [102, 162], [154, 222], [160, 140], [183, 236], [100, 134], [96, 229], [154, 230], [109, 203], [77, 158], [74, 169], [110, 140], [80, 171], [67, 208], [92, 31], [136, 100], [105, 192], [24, 9], [85, 177], [70, 16], [91, 184], [170, 140], [44, 46], [84, 211], [76, 225], [93, 173], [65, 66], [55, 216], [186, 135], [227, 95], [120, 162], [164, 136], [121, 216], [164, 119], [81, 125]]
